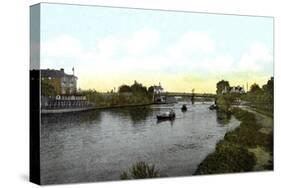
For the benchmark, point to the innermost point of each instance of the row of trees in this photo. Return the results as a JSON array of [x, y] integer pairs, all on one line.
[[268, 87], [126, 95], [135, 88], [254, 88], [261, 97], [258, 97]]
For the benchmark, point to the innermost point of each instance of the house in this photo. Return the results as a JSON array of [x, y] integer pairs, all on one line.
[[234, 89], [64, 84], [159, 95]]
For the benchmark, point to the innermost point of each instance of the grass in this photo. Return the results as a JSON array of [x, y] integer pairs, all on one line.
[[267, 112], [233, 153], [140, 170], [228, 157]]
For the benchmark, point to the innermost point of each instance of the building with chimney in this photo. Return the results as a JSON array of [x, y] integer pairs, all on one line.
[[234, 89], [63, 83]]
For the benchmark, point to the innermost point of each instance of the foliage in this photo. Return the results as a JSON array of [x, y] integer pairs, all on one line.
[[227, 158], [140, 170], [223, 117], [124, 89], [135, 94], [221, 85], [150, 89], [225, 101], [248, 133], [138, 88], [232, 154], [255, 88], [268, 87], [116, 99], [47, 89], [261, 98]]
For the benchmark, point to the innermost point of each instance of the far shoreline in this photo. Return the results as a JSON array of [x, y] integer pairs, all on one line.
[[69, 110]]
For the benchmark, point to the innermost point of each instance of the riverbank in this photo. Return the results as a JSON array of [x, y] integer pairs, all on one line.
[[247, 148]]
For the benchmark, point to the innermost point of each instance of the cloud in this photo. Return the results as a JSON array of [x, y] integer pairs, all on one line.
[[131, 53], [143, 55], [256, 58], [142, 41], [192, 43], [137, 44], [62, 46], [219, 64]]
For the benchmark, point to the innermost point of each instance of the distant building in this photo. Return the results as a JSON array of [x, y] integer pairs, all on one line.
[[64, 84], [158, 89], [159, 94], [235, 89]]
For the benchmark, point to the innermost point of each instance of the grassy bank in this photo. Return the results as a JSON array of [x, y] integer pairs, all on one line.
[[108, 100], [242, 150]]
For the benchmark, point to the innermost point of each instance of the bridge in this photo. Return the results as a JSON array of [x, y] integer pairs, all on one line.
[[183, 94]]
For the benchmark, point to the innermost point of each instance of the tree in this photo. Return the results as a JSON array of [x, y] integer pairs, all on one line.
[[47, 89], [221, 85], [255, 88], [269, 86], [124, 89], [151, 89], [138, 88]]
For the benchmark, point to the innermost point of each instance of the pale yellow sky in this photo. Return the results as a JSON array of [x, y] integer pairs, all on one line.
[[172, 83]]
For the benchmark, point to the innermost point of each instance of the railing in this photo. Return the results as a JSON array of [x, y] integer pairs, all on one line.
[[64, 102]]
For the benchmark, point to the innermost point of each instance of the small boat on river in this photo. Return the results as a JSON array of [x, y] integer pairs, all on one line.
[[213, 107], [183, 108], [167, 115]]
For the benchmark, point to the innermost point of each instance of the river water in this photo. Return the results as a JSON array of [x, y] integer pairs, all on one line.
[[99, 145]]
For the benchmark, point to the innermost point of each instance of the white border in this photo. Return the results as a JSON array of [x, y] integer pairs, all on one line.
[[14, 61]]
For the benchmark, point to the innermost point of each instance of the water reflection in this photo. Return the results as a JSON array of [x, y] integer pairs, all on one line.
[[74, 117], [136, 114], [71, 119], [170, 121], [223, 118]]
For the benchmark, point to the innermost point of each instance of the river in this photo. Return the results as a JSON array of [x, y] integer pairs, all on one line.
[[99, 145]]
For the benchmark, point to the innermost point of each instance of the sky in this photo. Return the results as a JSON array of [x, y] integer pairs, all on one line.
[[109, 47]]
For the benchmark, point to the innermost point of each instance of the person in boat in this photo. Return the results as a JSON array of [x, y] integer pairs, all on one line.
[[184, 108], [172, 113], [167, 115]]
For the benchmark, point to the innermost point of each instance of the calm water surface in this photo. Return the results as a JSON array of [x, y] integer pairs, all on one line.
[[99, 145]]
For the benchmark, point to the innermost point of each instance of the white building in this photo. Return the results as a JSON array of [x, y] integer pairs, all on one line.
[[234, 89], [159, 94]]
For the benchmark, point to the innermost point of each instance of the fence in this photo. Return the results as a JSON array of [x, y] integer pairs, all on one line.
[[64, 102]]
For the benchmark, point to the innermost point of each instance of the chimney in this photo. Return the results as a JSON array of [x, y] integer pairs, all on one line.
[[62, 70]]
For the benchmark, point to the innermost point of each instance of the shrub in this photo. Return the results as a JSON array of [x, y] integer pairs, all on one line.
[[227, 158], [140, 170]]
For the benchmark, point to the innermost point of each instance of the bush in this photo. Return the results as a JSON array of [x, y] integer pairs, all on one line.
[[231, 154], [224, 102], [227, 158], [248, 133], [140, 170]]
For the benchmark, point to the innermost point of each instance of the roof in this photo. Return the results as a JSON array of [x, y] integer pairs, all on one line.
[[54, 73], [237, 88], [158, 87]]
